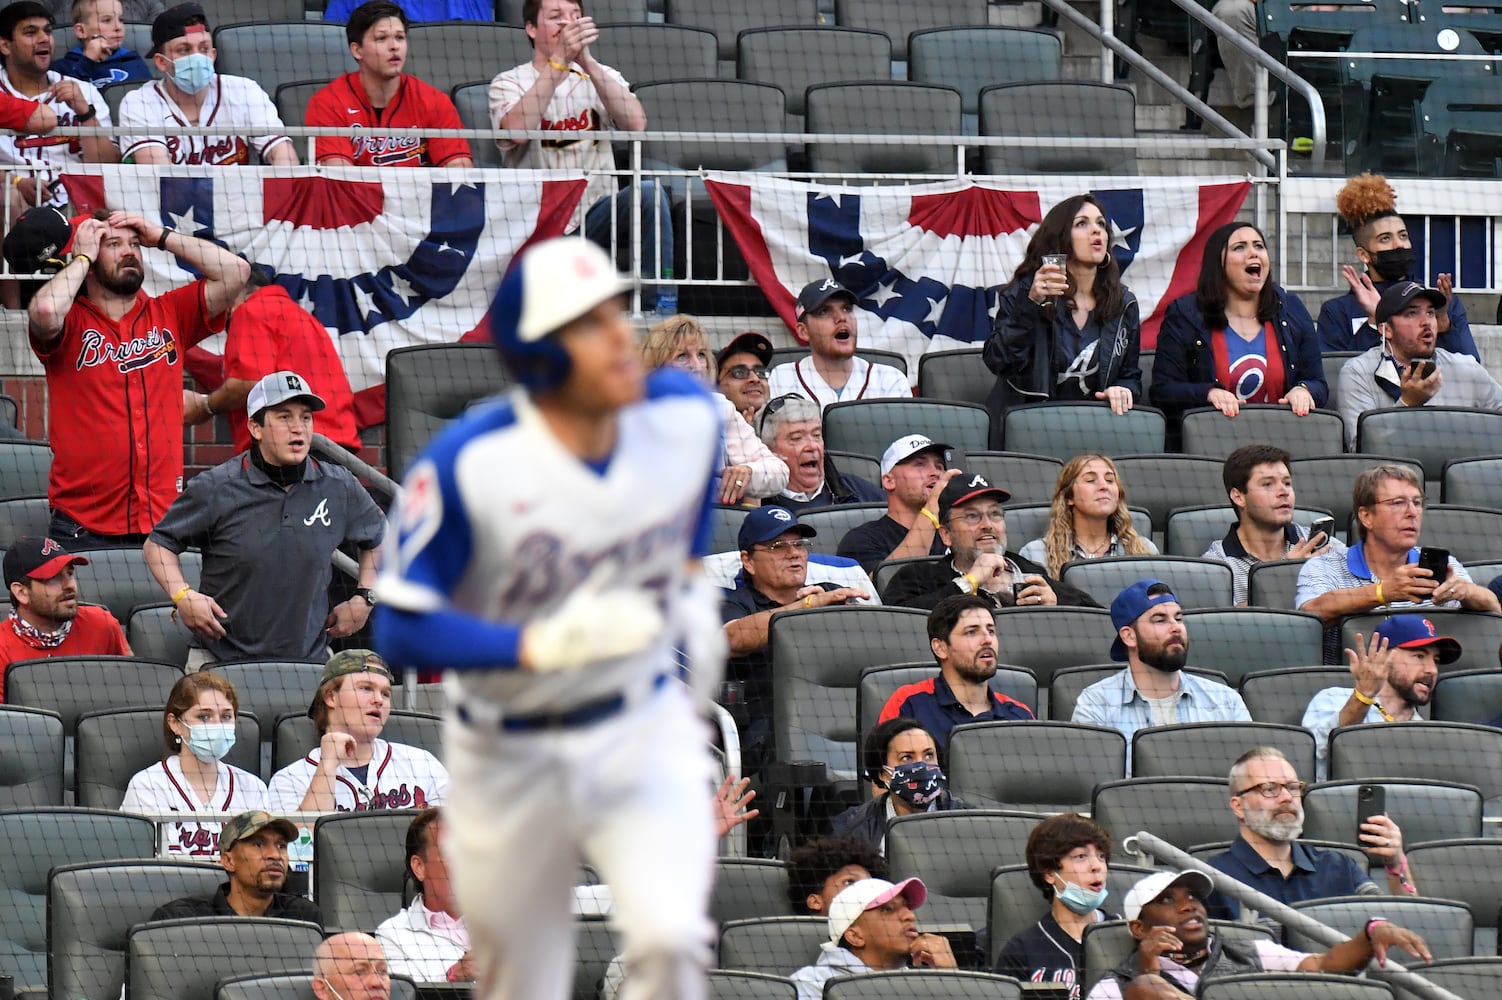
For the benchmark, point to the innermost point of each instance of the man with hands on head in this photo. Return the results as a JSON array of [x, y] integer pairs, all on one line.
[[872, 929]]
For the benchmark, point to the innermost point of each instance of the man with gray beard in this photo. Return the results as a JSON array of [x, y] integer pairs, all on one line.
[[1267, 799]]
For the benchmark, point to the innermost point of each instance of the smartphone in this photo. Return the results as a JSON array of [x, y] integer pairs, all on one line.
[[1422, 367], [955, 458], [1017, 589], [1325, 524], [1436, 561], [1371, 800]]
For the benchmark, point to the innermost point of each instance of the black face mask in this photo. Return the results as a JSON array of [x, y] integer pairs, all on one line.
[[1394, 264]]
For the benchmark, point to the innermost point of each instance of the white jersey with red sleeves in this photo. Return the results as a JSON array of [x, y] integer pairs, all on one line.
[[576, 109], [499, 521], [229, 101], [162, 788], [51, 149], [398, 777]]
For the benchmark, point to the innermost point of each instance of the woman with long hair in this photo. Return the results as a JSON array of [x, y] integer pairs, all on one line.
[[750, 468], [1240, 337], [1070, 331], [1088, 519]]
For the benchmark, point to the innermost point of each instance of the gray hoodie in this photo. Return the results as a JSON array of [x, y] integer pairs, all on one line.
[[834, 960]]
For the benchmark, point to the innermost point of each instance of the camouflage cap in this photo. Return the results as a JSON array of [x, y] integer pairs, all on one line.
[[350, 661], [247, 823]]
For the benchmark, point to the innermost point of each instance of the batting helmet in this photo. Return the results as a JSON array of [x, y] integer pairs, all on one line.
[[549, 286]]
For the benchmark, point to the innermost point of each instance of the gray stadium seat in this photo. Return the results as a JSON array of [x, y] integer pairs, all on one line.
[[183, 959], [295, 735], [1077, 110], [1275, 584], [362, 861], [1446, 926], [887, 569], [305, 50], [954, 852], [73, 685], [271, 688], [155, 634], [1472, 534], [1027, 521], [728, 984], [1207, 431], [1066, 429], [866, 467], [92, 906], [877, 684], [908, 109], [1182, 811], [23, 517], [1331, 362], [472, 100], [1475, 481], [292, 106], [1163, 483], [899, 19], [292, 986], [1016, 764], [1464, 977], [449, 54], [1275, 986], [1045, 639], [796, 58], [119, 579], [776, 946], [1208, 749], [1479, 633], [958, 376], [611, 12], [1197, 583], [36, 841], [1326, 480], [789, 355], [868, 426], [1447, 751], [1281, 696], [727, 20], [724, 526], [114, 93], [1107, 943], [923, 984], [1191, 530], [113, 745], [740, 106], [973, 58], [1473, 696], [747, 888], [652, 53], [238, 11], [1429, 435], [1240, 641], [1016, 903], [31, 768], [832, 523], [428, 385], [1425, 810], [24, 467], [1029, 478], [1068, 683], [1466, 870]]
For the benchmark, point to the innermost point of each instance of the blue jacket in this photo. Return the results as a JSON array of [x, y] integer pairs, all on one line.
[[1339, 331], [1184, 368], [123, 65], [421, 10]]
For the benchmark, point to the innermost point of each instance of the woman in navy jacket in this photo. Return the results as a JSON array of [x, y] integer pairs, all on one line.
[[1240, 338]]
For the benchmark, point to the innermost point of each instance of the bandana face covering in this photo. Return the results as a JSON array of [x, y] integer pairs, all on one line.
[[35, 637]]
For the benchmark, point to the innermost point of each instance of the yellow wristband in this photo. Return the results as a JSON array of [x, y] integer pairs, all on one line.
[[974, 583], [932, 517], [1380, 599], [87, 260], [1363, 698], [808, 601], [181, 594]]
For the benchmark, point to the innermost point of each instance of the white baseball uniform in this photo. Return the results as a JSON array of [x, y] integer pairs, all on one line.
[[398, 777], [162, 788], [230, 100], [867, 381], [500, 524], [51, 150]]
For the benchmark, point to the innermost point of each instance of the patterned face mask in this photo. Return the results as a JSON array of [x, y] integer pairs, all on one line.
[[35, 637], [917, 783]]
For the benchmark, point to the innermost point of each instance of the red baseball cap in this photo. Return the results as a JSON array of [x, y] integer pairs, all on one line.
[[37, 559]]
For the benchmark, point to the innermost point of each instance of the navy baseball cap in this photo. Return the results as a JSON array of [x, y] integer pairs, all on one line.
[[1396, 299], [765, 523], [816, 293], [1416, 632], [1131, 604]]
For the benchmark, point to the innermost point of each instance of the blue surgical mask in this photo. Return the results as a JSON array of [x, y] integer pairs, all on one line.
[[1081, 900], [193, 72], [210, 741]]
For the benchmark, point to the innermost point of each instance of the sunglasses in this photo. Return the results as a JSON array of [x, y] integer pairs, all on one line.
[[774, 406], [742, 372]]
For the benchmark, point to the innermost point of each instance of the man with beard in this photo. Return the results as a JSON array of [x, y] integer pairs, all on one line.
[[962, 636], [1395, 672], [45, 616], [1153, 690], [913, 477], [253, 850], [1267, 799], [832, 373], [973, 525], [113, 359]]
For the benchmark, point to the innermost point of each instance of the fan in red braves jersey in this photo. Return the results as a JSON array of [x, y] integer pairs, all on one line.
[[379, 96], [45, 616]]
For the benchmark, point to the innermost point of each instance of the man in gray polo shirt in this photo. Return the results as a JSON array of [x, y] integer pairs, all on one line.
[[268, 522]]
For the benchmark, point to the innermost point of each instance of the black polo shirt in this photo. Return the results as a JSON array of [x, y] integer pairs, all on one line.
[[870, 543], [283, 906]]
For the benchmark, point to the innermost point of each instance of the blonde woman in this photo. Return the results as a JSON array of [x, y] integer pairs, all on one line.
[[750, 469], [1089, 520]]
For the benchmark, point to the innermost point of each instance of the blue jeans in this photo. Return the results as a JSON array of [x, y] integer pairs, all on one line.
[[657, 235]]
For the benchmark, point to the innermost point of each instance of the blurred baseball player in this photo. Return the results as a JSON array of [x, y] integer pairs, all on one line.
[[543, 553]]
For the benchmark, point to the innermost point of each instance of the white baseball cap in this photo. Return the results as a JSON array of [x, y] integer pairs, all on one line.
[[905, 448], [278, 387], [867, 894], [562, 279], [1150, 888]]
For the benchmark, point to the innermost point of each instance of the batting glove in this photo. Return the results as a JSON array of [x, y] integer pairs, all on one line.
[[593, 624]]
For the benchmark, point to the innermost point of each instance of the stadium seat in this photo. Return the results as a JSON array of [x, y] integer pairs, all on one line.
[[92, 904], [1476, 482], [832, 523], [1066, 429], [775, 946], [908, 109], [155, 634], [24, 467], [1461, 124], [1029, 478], [271, 688], [1047, 638], [958, 376], [10, 411], [182, 959], [449, 54], [789, 355], [1274, 985], [472, 100], [877, 684], [31, 769], [867, 467], [611, 12], [1464, 977], [1428, 435], [1027, 521], [1239, 641], [1110, 941], [1069, 682], [970, 59], [119, 579], [1163, 483], [727, 21], [1207, 431], [729, 984], [887, 569], [1469, 871], [305, 50], [73, 685], [23, 517], [1473, 696], [1445, 925], [796, 58], [923, 984], [1332, 362], [1015, 765], [1274, 584], [296, 735], [954, 852], [292, 107], [595, 944], [430, 384], [1197, 583], [869, 426], [361, 867], [1447, 751], [724, 526], [1326, 480], [747, 888], [241, 11], [1182, 811], [1479, 634], [739, 106], [1208, 749], [1281, 696], [1425, 810], [292, 986], [1472, 534], [1017, 904], [114, 93], [113, 745], [1077, 110], [652, 53], [1190, 531], [900, 20]]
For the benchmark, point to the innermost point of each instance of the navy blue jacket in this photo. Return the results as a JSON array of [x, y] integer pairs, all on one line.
[[1338, 317]]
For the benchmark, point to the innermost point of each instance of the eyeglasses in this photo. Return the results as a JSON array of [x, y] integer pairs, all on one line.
[[774, 406], [971, 518], [1396, 504], [786, 546], [741, 372], [1270, 789]]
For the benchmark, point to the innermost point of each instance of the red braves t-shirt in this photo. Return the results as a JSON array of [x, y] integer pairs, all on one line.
[[344, 104], [115, 409], [271, 333], [15, 113], [95, 633]]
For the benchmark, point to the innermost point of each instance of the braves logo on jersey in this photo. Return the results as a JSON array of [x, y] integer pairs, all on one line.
[[132, 355], [587, 120], [220, 150], [196, 841], [400, 797], [389, 150]]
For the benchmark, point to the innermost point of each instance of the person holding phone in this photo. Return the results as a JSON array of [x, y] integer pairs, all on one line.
[[1407, 369]]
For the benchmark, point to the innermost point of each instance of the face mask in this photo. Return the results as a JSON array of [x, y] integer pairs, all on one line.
[[1081, 900], [917, 783], [1394, 264], [211, 741], [192, 73]]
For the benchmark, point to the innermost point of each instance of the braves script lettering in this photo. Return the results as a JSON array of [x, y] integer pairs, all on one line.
[[394, 798], [587, 120], [389, 150], [133, 354]]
